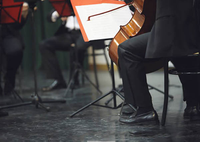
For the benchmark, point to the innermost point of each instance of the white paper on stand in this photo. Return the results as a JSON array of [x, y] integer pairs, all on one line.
[[104, 26]]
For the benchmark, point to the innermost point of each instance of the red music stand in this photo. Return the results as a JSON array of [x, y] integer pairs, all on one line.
[[10, 11], [36, 98], [63, 7]]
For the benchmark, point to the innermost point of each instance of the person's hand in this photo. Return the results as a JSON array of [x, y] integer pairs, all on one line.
[[63, 19], [25, 8]]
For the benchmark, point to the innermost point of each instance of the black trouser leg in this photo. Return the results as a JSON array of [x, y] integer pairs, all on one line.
[[48, 50], [51, 64], [131, 63], [13, 50], [13, 62]]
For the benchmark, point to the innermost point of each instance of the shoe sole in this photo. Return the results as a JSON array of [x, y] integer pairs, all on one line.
[[143, 123]]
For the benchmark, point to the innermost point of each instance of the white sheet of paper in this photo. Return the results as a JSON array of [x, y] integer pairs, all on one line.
[[103, 26]]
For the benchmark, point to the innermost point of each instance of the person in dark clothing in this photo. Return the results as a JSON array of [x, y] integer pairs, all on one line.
[[174, 35], [12, 49], [67, 38]]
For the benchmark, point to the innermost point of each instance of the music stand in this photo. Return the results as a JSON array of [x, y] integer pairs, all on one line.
[[114, 92], [10, 12], [37, 101]]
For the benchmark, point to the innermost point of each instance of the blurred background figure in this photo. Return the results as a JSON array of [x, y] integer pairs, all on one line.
[[66, 38], [11, 48]]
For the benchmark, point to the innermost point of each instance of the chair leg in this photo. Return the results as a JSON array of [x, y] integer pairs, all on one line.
[[107, 63], [95, 67], [106, 58], [166, 95]]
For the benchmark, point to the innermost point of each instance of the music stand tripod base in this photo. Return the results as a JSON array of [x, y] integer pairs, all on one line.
[[113, 91]]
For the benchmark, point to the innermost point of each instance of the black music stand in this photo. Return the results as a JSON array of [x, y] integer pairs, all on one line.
[[113, 92], [37, 101], [64, 9]]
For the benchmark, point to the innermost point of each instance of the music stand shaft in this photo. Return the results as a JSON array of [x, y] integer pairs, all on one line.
[[34, 49]]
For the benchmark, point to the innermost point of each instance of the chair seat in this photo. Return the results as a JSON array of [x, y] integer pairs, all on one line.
[[188, 71], [175, 72]]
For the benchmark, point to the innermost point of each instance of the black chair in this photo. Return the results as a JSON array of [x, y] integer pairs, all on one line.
[[151, 67], [173, 71]]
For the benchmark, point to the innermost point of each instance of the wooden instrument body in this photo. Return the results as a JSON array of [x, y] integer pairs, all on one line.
[[141, 22]]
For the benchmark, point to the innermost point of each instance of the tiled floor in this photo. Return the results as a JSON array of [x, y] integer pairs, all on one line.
[[94, 124]]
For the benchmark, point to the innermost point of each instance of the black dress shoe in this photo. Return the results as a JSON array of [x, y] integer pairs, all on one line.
[[192, 113], [127, 110], [55, 85], [150, 117]]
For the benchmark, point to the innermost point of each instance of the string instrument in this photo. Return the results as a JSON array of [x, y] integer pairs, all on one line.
[[141, 22]]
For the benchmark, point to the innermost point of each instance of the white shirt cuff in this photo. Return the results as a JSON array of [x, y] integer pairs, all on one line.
[[54, 16]]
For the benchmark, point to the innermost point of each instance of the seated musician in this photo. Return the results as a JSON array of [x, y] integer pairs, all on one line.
[[12, 48], [67, 37], [174, 35]]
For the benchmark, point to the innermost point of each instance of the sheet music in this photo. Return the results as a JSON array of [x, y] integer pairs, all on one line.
[[103, 26]]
